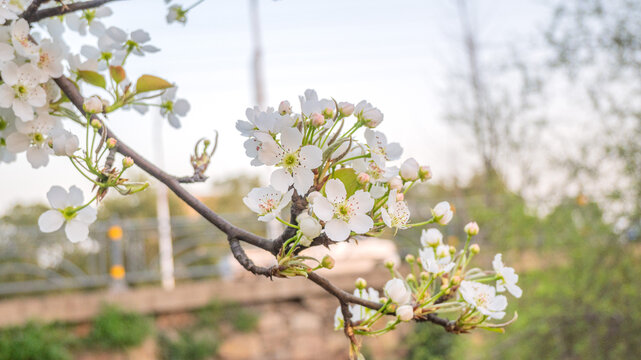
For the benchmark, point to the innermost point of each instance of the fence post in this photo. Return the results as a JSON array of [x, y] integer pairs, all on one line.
[[117, 268]]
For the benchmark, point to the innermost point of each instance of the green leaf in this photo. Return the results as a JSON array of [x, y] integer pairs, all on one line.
[[93, 78], [117, 73], [349, 178], [147, 83], [131, 187]]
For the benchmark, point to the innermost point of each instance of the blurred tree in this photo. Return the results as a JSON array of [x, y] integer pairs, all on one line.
[[598, 44]]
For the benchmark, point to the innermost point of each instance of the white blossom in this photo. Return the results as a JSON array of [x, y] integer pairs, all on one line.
[[32, 137], [405, 312], [397, 213], [342, 215], [49, 59], [173, 108], [295, 161], [483, 297], [21, 89], [398, 292], [443, 213], [63, 142], [507, 277], [368, 114], [66, 209], [20, 39], [377, 142], [436, 262], [8, 11], [409, 170], [80, 21], [431, 237], [267, 202]]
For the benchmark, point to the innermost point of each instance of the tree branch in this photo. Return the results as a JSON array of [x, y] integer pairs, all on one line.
[[69, 88], [33, 7], [34, 16]]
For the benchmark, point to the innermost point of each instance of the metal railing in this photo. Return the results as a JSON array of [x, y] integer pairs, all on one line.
[[117, 253]]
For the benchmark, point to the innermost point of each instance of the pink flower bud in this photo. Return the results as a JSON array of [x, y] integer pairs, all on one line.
[[425, 173], [471, 228], [317, 119], [346, 109], [92, 105], [400, 197], [127, 162], [363, 178], [396, 183], [284, 108], [111, 143]]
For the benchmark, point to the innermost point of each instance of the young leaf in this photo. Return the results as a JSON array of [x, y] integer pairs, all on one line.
[[349, 178], [93, 78], [117, 73], [147, 83]]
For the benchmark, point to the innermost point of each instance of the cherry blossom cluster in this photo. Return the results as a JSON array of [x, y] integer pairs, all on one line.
[[36, 119], [337, 173]]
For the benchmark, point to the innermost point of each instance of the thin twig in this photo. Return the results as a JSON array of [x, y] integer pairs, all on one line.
[[35, 16]]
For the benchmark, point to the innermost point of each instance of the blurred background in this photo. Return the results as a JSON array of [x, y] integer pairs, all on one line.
[[527, 111]]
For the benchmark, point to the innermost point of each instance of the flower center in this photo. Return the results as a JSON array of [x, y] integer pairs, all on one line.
[[290, 161], [267, 205], [343, 211], [37, 138], [69, 212]]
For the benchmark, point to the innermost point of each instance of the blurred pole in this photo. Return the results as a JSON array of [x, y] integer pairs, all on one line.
[[165, 246], [117, 268], [274, 228]]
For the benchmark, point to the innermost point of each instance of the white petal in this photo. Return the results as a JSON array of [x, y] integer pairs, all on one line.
[[57, 197], [386, 218], [280, 180], [10, 73], [181, 107], [22, 110], [75, 197], [50, 221], [17, 142], [38, 157], [303, 180], [76, 230], [335, 191], [6, 95], [310, 156], [361, 202], [361, 223], [291, 139], [393, 151], [6, 52], [323, 208], [337, 230], [87, 215], [514, 290], [140, 36]]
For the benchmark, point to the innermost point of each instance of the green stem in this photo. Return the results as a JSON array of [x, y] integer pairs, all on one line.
[[286, 223]]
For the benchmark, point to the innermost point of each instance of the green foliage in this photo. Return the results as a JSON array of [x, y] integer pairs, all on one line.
[[115, 328], [35, 341], [216, 312], [188, 346], [428, 342]]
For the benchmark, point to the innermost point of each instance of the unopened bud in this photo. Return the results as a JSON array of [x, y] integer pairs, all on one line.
[[409, 170], [328, 112], [396, 183], [127, 162], [389, 264], [456, 280], [475, 248], [409, 258], [345, 108], [363, 178], [328, 262], [361, 283], [96, 124], [284, 108], [452, 250], [425, 276], [207, 142], [424, 173], [92, 105], [111, 143], [317, 119], [400, 197], [471, 228], [410, 278], [444, 283]]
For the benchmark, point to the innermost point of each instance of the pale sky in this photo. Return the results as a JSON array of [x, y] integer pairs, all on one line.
[[398, 55]]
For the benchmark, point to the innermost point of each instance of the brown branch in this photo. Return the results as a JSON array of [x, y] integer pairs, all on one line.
[[38, 15], [248, 264], [32, 8], [69, 88]]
